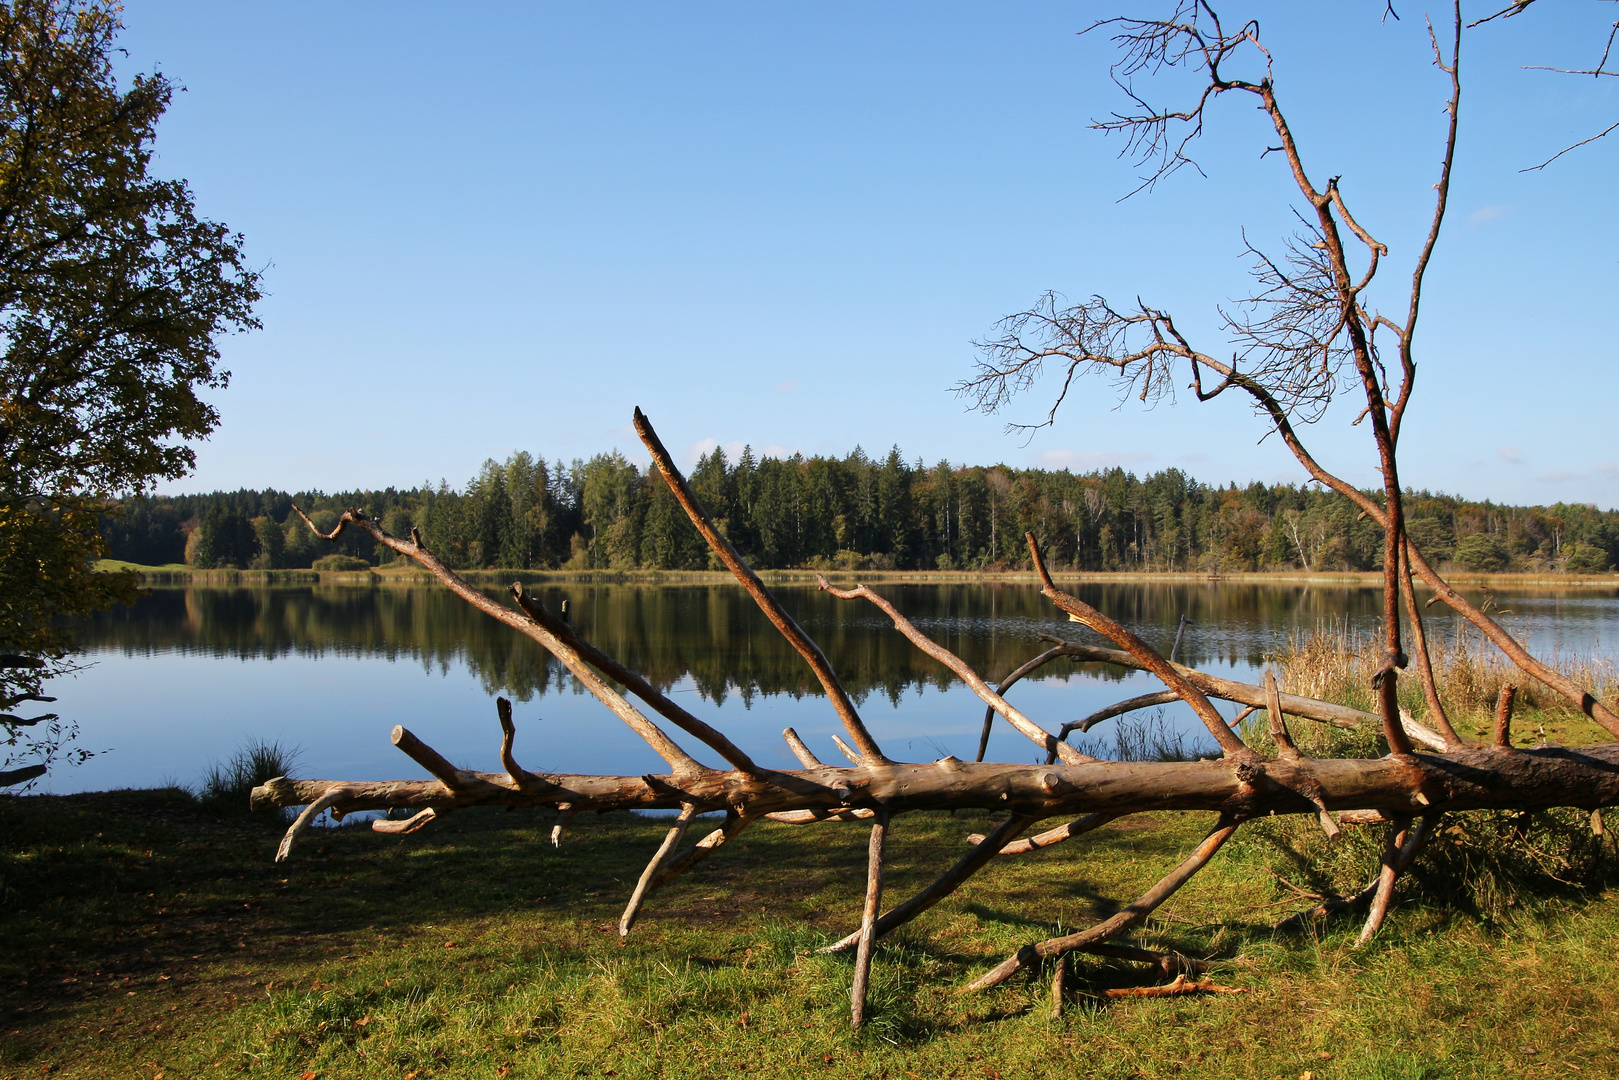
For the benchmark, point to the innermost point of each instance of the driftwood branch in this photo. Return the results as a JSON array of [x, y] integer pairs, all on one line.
[[1007, 684], [868, 923], [671, 839], [1026, 727], [811, 652], [1131, 916], [1143, 653], [1324, 712], [947, 883], [1240, 785]]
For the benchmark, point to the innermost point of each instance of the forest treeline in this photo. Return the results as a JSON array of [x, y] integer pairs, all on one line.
[[854, 512]]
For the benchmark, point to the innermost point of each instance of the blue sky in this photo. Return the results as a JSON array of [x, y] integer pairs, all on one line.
[[491, 227]]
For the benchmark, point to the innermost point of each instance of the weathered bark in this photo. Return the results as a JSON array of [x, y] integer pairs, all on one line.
[[868, 921], [1475, 778], [1131, 916], [1239, 785]]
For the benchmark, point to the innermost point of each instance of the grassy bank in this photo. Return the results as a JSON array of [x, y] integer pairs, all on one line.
[[146, 938], [180, 574]]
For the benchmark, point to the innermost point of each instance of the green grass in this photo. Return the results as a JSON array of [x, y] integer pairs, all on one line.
[[146, 936]]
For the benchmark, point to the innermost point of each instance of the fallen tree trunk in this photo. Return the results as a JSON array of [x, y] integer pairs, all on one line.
[[1475, 778], [1238, 785]]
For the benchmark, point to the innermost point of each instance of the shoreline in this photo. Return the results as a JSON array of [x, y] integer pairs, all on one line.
[[388, 575]]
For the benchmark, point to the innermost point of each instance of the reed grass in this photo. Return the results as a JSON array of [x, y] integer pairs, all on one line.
[[1335, 663], [226, 786]]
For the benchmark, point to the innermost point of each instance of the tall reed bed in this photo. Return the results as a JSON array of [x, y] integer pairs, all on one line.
[[1335, 663]]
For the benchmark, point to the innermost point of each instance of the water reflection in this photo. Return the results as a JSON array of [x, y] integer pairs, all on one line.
[[714, 635], [186, 674]]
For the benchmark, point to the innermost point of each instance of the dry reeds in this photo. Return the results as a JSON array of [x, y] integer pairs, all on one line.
[[1335, 663]]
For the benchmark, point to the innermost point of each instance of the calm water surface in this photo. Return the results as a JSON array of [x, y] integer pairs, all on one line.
[[187, 675]]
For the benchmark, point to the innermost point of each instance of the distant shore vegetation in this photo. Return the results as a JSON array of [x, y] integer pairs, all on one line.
[[854, 513]]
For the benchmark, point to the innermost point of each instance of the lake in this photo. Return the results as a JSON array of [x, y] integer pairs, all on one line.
[[188, 675]]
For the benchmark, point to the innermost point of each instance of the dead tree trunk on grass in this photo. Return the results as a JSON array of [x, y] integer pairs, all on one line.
[[1306, 332], [1239, 785]]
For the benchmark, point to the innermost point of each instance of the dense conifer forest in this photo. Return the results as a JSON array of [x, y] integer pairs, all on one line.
[[856, 512]]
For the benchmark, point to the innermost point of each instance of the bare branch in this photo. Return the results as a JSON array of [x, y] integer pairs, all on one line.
[[1441, 200], [1132, 915], [1419, 647], [1503, 716], [868, 925], [1143, 653], [800, 751], [644, 885], [1324, 712], [1077, 827], [680, 761], [1583, 142], [1144, 701], [1028, 728], [761, 595], [1006, 684], [1192, 37], [947, 883], [630, 680], [1398, 833], [679, 864]]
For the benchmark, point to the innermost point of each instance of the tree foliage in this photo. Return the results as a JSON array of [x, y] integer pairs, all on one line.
[[854, 512], [113, 293]]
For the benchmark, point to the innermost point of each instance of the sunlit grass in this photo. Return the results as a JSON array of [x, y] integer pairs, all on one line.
[[145, 936]]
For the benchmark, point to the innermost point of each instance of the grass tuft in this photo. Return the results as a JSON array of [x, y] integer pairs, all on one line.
[[226, 787]]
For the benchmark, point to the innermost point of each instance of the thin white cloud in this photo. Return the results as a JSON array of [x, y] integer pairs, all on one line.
[[1488, 213], [1604, 472], [1509, 454], [786, 386], [1090, 460]]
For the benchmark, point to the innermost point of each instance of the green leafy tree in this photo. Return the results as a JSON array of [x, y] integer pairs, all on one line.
[[1585, 559], [225, 540], [614, 502], [1481, 553], [112, 295], [272, 544]]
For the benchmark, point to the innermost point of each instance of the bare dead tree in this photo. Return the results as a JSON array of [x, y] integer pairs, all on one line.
[[1308, 334], [1239, 785], [1599, 71]]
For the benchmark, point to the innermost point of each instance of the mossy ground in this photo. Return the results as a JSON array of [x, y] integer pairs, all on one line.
[[146, 938]]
